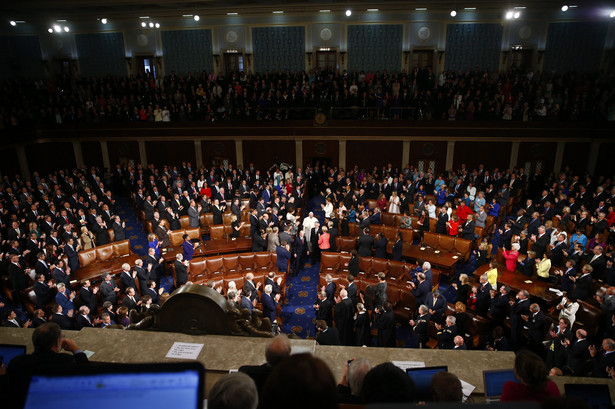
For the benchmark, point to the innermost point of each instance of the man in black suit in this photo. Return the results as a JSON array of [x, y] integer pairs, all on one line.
[[326, 335], [64, 321], [385, 324], [323, 308], [41, 266], [154, 266], [330, 288], [127, 277], [351, 288], [273, 282], [537, 329], [19, 277], [259, 241], [604, 360], [87, 294], [363, 334], [420, 326], [118, 228], [597, 262], [541, 242], [277, 351], [442, 220], [43, 290], [446, 334], [557, 251], [100, 230], [380, 246], [505, 237], [108, 289], [39, 318], [84, 319], [131, 300], [300, 251], [420, 290], [398, 248], [143, 275], [365, 243], [583, 284], [519, 308], [436, 305], [344, 318], [483, 296], [151, 291], [48, 342], [181, 270], [467, 230], [578, 354], [11, 320], [499, 305]]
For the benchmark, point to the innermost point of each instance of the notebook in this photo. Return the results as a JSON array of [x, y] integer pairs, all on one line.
[[596, 396], [8, 352], [494, 380], [151, 386], [422, 380]]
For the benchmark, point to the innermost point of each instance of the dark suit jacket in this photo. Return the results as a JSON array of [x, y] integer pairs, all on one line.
[[364, 245], [330, 336], [344, 320], [385, 324], [362, 332], [127, 280], [537, 328], [269, 306], [421, 291], [438, 306], [181, 273], [44, 294], [258, 373], [324, 311], [81, 322], [128, 303], [467, 231], [353, 266], [118, 232], [380, 247], [351, 288], [421, 329], [19, 280], [579, 357], [398, 249], [64, 321], [107, 292], [583, 287]]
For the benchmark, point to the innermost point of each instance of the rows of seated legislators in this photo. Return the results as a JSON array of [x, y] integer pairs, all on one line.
[[518, 95]]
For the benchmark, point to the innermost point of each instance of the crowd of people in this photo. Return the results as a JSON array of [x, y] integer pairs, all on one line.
[[471, 95], [40, 218]]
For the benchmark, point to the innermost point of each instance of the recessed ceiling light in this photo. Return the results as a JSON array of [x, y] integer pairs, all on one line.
[[50, 30], [151, 25], [278, 12], [61, 21], [509, 15], [564, 8], [144, 17], [57, 28], [103, 20], [66, 29], [324, 11], [612, 15], [232, 14], [143, 24], [197, 17], [157, 25], [421, 9], [13, 23], [469, 8], [348, 13], [517, 14], [453, 13], [372, 10]]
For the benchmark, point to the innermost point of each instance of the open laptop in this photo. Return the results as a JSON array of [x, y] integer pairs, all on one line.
[[8, 352], [152, 386], [494, 380], [596, 396], [422, 380]]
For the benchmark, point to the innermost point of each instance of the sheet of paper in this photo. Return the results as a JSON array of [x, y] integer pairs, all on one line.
[[408, 364], [466, 388], [184, 350], [455, 257], [422, 248], [88, 353], [528, 281]]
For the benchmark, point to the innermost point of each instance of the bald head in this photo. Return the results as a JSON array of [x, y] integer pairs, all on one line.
[[277, 350]]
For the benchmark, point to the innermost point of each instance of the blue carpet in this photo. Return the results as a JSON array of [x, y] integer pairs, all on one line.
[[298, 314], [134, 229]]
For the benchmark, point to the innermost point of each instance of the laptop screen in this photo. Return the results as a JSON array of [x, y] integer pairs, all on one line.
[[108, 386], [494, 381], [8, 352], [422, 380], [596, 396]]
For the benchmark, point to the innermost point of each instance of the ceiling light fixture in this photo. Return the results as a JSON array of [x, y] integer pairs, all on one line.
[[564, 8], [104, 20], [197, 17], [151, 25], [57, 28], [373, 10], [517, 14], [144, 17], [509, 15], [348, 13], [143, 24], [421, 9], [13, 23], [278, 12], [324, 11], [50, 30], [157, 25], [453, 13], [232, 14], [612, 15], [66, 29], [469, 8]]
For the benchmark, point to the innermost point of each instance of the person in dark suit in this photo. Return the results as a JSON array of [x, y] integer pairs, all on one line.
[[505, 237], [118, 228], [483, 296], [48, 341], [557, 251], [277, 351], [604, 360], [87, 295], [259, 241], [100, 230], [361, 327], [181, 270], [330, 288], [579, 358], [527, 266], [154, 266], [365, 243], [299, 251], [326, 335], [537, 329], [249, 286], [446, 334], [436, 304], [519, 307], [598, 263], [59, 317], [351, 288], [269, 303], [333, 232], [217, 210], [420, 290], [380, 246], [273, 282], [420, 326], [385, 324], [84, 319], [127, 277], [442, 220], [344, 313], [467, 229], [19, 278], [459, 344], [323, 308], [39, 318], [398, 248], [283, 257], [41, 267], [131, 300], [10, 320], [583, 284], [108, 289], [43, 290], [499, 305], [353, 263], [541, 242], [380, 291]]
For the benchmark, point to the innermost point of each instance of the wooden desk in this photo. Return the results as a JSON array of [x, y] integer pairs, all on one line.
[[517, 282], [210, 248], [96, 270], [443, 260]]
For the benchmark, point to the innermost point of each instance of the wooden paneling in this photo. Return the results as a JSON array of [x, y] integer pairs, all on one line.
[[535, 152], [170, 153], [218, 150], [491, 154], [47, 157], [575, 156], [123, 152], [428, 151], [265, 153], [92, 154], [368, 154], [326, 151]]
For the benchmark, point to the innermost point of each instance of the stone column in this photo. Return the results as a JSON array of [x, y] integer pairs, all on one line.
[[298, 154], [105, 154], [238, 152], [514, 155], [78, 154], [198, 154], [405, 154], [450, 155], [142, 154], [559, 157], [593, 157], [24, 168], [342, 156]]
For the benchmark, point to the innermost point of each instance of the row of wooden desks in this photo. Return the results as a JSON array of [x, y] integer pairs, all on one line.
[[210, 248]]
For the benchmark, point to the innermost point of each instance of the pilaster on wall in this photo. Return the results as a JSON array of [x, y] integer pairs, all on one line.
[[514, 155], [78, 154], [23, 162], [450, 154], [239, 153], [559, 157], [198, 154], [298, 154], [593, 157], [405, 153], [104, 150], [142, 153], [342, 156]]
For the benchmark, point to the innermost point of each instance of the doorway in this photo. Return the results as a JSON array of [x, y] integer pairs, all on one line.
[[326, 59], [233, 62], [146, 64]]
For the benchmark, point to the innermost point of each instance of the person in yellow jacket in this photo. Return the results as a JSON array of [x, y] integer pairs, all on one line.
[[542, 268], [492, 274]]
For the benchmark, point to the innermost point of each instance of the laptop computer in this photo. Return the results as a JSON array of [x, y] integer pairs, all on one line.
[[596, 396], [163, 385], [9, 351], [493, 382], [422, 380]]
